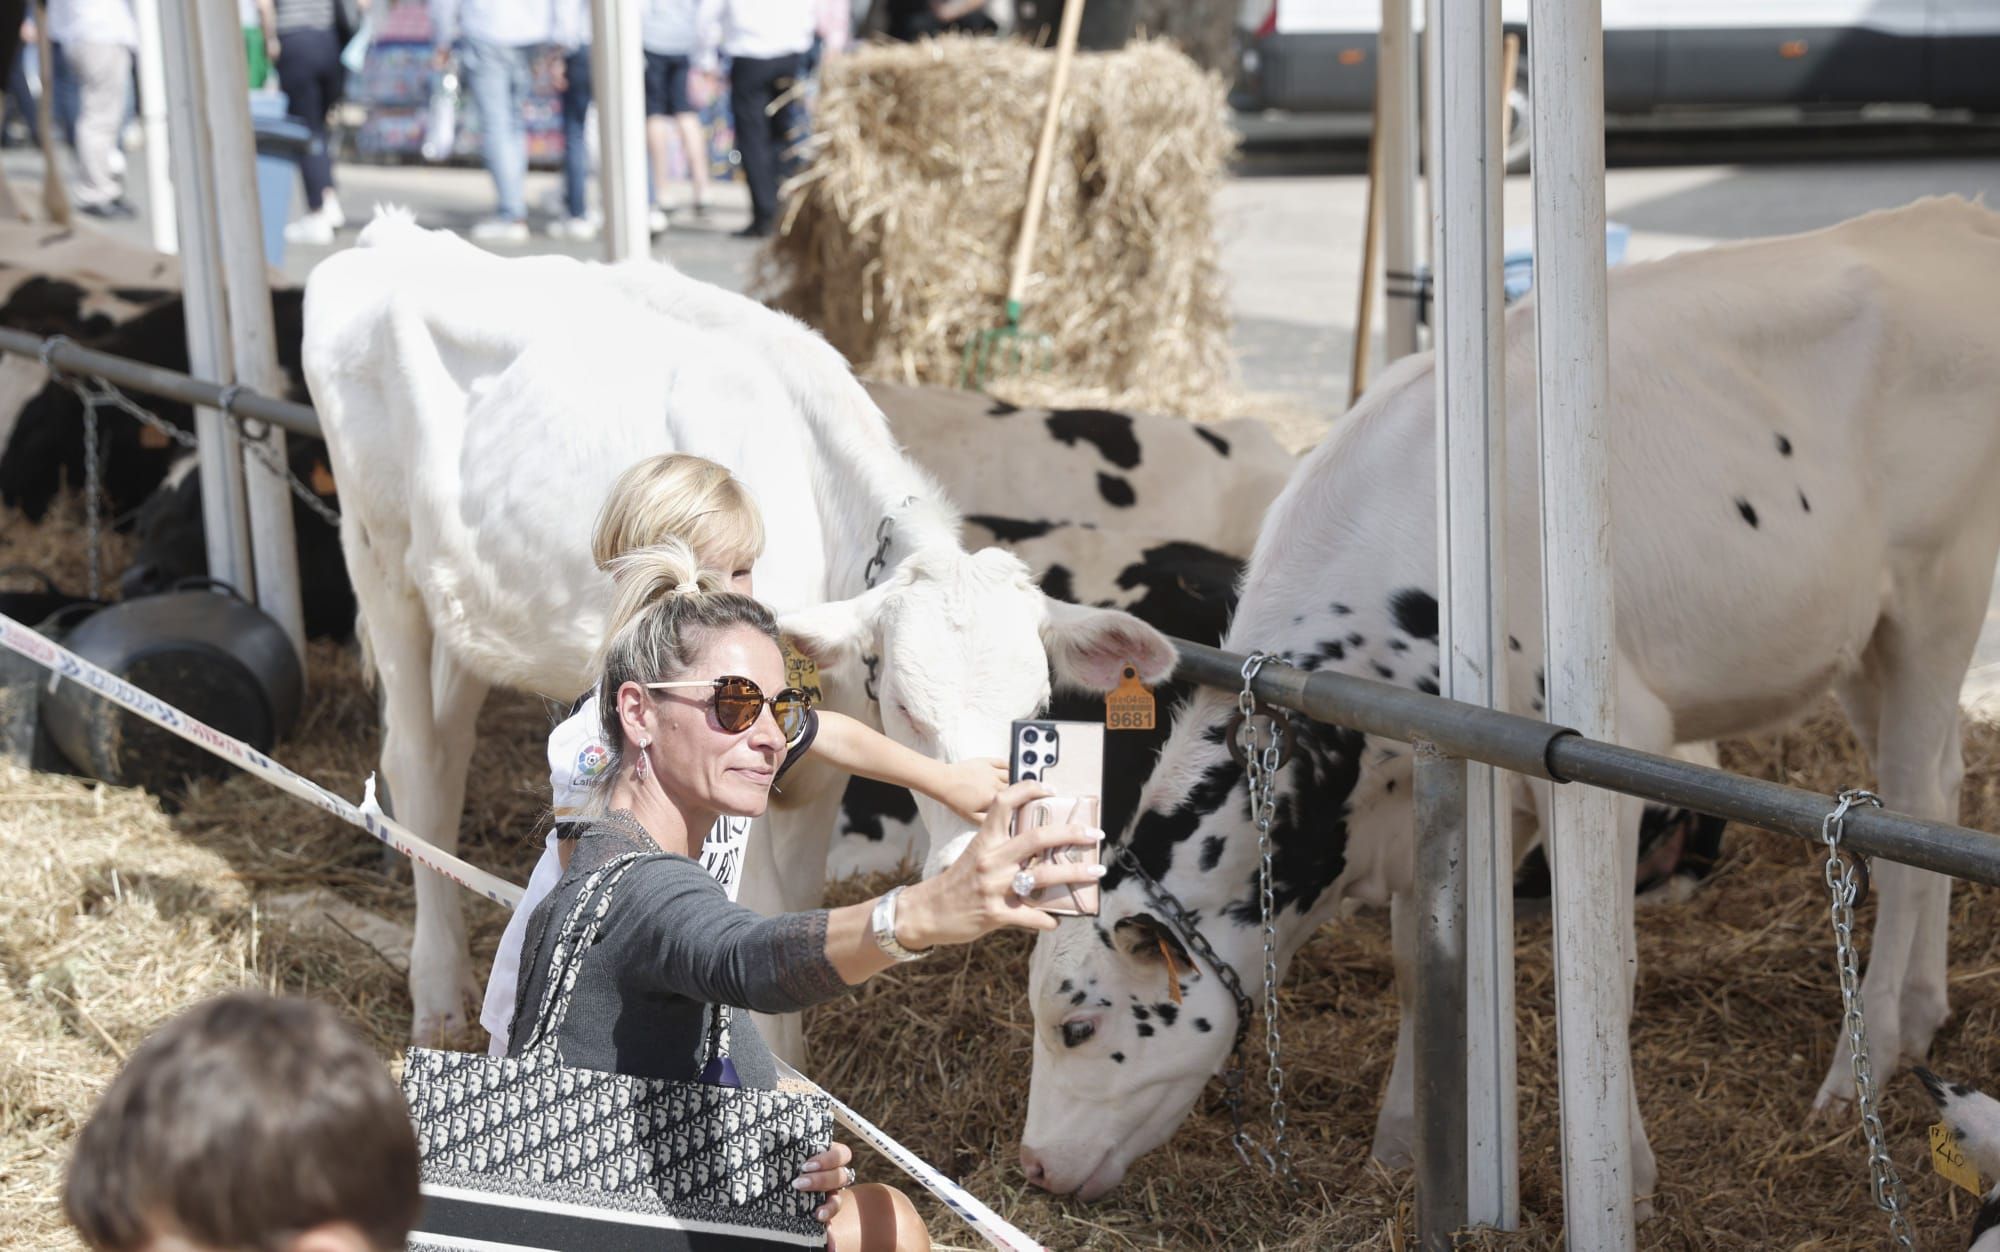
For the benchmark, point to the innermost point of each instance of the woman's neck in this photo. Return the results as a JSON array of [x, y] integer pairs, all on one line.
[[674, 829]]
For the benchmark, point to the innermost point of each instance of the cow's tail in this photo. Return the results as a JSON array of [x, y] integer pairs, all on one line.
[[392, 223]]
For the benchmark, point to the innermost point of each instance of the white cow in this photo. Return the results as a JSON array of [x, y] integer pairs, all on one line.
[[477, 412], [1805, 438]]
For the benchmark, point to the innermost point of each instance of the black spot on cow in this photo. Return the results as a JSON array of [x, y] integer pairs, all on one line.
[[1167, 1013], [1190, 590], [1415, 612], [1428, 686], [1110, 433], [1805, 503], [1000, 408], [1116, 491], [1201, 1024], [1012, 529], [1340, 610], [1211, 852], [1513, 644], [1355, 640], [1331, 650], [1382, 671], [1157, 833], [1079, 997], [1784, 446], [1749, 514], [1298, 619], [868, 805], [1058, 584], [1541, 681], [1145, 1031], [1398, 645], [1141, 1013], [1064, 987], [1213, 440], [1118, 1058], [1103, 936]]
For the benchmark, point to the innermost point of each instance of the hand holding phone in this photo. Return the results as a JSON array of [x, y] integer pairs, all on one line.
[[1067, 899], [1068, 759]]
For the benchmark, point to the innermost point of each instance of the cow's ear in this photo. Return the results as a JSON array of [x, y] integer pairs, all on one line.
[[1150, 941], [832, 634], [1090, 648]]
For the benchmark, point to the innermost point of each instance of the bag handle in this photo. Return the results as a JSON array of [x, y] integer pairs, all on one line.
[[567, 960]]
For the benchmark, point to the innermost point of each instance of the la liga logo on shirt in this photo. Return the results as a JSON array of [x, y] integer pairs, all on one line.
[[593, 760]]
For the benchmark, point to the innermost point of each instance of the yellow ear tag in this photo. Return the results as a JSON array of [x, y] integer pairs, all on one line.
[[1129, 706], [800, 671], [1949, 1162], [1173, 971]]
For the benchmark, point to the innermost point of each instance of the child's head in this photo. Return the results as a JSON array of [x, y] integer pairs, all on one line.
[[690, 498], [247, 1124]]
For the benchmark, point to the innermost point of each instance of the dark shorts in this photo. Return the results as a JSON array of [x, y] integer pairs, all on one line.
[[667, 85]]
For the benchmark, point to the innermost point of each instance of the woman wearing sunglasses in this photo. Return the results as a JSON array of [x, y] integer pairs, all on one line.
[[695, 706]]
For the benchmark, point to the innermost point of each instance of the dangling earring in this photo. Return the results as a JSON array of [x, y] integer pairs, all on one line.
[[640, 769]]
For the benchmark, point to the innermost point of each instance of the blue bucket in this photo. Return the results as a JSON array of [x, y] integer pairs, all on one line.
[[281, 146]]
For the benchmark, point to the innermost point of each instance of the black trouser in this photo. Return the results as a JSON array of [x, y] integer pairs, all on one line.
[[764, 137], [310, 72]]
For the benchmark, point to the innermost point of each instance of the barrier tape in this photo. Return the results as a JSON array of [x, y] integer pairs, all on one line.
[[63, 663]]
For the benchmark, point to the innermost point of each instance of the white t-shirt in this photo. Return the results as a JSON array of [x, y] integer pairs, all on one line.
[[577, 755]]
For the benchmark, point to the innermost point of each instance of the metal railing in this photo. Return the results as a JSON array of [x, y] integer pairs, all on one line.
[[59, 353]]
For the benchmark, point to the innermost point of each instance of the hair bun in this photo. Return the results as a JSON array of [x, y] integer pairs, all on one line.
[[687, 588]]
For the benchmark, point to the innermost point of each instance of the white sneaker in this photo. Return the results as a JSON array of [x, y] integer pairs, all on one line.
[[579, 229], [656, 221], [329, 208], [313, 228], [500, 230]]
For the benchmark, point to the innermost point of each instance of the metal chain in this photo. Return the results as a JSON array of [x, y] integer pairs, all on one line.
[[306, 495], [885, 530], [1262, 773], [93, 501], [1844, 876]]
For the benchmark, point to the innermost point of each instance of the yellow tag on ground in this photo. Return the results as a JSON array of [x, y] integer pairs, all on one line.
[[1949, 1162], [800, 671], [1129, 706]]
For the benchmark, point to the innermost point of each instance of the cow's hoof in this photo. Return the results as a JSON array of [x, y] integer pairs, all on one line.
[[1642, 1209], [436, 1025]]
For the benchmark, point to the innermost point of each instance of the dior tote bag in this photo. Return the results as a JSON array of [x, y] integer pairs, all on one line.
[[529, 1153]]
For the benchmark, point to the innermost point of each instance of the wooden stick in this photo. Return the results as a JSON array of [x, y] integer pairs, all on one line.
[[1364, 312], [1038, 176]]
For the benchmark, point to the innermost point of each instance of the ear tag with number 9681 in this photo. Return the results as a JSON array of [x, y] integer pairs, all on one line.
[[1128, 706]]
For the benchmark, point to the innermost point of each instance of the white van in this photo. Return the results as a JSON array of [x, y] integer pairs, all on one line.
[[1319, 55]]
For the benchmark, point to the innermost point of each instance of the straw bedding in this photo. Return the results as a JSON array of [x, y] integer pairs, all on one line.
[[898, 235], [116, 914]]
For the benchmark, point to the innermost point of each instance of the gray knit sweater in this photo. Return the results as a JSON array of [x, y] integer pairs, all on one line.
[[672, 945]]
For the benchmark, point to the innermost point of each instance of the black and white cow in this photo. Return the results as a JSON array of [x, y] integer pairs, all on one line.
[[1974, 1120], [1803, 451]]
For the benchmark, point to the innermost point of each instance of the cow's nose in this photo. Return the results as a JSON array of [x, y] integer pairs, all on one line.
[[1031, 1165]]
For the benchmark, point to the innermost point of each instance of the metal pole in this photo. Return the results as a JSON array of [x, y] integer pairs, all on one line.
[[1471, 474], [1439, 1025], [1396, 137], [224, 521], [153, 121], [247, 287], [1592, 876], [618, 85], [154, 381]]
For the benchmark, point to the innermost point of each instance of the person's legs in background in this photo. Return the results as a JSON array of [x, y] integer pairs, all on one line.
[[101, 71], [309, 73], [686, 122], [21, 98], [659, 109], [754, 82], [577, 222], [498, 78], [64, 105]]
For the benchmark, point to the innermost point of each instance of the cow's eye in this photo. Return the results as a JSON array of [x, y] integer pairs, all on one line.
[[1075, 1033]]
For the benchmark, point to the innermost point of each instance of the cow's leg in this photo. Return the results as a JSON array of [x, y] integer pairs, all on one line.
[[1910, 679], [784, 871], [1396, 1124]]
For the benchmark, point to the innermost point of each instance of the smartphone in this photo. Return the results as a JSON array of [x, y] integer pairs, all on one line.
[[1068, 759]]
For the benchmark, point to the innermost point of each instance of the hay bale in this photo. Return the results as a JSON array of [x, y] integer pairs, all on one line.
[[897, 238]]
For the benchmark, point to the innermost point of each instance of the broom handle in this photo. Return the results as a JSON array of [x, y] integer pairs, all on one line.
[[1038, 177]]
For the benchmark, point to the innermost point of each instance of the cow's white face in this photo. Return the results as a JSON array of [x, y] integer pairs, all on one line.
[[1117, 1064], [966, 644]]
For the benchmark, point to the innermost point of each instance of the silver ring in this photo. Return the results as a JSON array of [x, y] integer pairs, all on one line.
[[1024, 883], [850, 1175]]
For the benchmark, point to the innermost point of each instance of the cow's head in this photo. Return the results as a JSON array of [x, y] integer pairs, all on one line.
[[1117, 1061], [963, 644]]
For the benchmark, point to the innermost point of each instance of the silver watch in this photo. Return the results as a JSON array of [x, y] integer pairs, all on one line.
[[884, 924]]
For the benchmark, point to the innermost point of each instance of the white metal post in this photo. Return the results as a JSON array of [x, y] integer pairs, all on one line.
[[618, 85], [1464, 96], [1396, 133], [1593, 880], [246, 283], [222, 507], [153, 122]]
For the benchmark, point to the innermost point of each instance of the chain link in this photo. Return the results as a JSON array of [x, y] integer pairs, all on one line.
[[1262, 774], [1844, 876], [885, 531], [93, 499]]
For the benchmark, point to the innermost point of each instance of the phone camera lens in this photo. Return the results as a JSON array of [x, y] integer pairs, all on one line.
[[1031, 735], [1052, 739], [1029, 758], [1028, 775]]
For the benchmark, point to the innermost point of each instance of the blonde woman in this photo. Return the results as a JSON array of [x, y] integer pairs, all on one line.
[[697, 502]]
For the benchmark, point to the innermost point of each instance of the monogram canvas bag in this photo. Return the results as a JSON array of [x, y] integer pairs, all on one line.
[[527, 1152]]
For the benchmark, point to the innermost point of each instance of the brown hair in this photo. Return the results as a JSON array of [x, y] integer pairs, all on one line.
[[679, 496], [241, 1124]]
